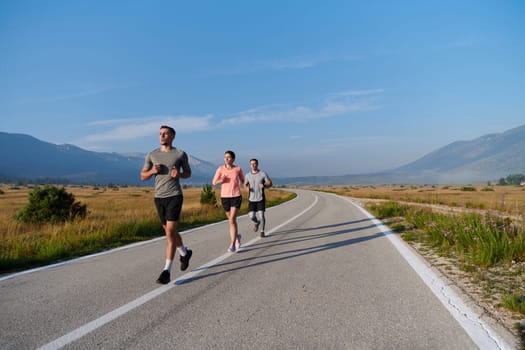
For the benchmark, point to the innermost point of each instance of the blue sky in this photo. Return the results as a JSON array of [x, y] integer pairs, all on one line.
[[308, 87]]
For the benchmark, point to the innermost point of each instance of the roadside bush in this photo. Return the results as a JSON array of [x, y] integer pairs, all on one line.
[[389, 209], [50, 204]]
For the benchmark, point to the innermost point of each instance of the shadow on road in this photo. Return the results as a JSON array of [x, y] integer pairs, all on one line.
[[291, 253], [320, 227]]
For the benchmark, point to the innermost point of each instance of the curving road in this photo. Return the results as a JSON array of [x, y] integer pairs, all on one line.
[[329, 276]]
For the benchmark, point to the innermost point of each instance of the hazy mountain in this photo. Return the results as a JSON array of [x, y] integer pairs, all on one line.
[[27, 158], [487, 158]]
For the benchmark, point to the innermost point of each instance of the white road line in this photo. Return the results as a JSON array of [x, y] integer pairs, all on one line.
[[112, 315], [479, 332]]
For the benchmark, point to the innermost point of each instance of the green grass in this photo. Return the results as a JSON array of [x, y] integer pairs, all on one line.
[[514, 302], [478, 242]]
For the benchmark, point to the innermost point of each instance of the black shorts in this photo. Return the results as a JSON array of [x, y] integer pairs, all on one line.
[[257, 206], [228, 202], [169, 208]]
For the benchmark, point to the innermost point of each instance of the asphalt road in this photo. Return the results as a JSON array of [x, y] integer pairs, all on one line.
[[327, 277]]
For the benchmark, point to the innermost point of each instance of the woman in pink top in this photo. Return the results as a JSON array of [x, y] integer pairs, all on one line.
[[230, 177]]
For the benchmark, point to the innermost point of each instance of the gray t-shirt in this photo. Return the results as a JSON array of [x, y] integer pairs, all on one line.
[[255, 180], [165, 185]]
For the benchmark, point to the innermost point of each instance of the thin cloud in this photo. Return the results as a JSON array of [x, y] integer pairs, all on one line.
[[352, 93], [270, 113], [107, 122], [128, 129], [461, 42], [293, 63], [280, 64], [268, 65], [336, 104], [300, 62], [74, 95], [88, 92], [117, 130]]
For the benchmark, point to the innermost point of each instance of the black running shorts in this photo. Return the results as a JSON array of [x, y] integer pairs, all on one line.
[[169, 208], [227, 202], [257, 206]]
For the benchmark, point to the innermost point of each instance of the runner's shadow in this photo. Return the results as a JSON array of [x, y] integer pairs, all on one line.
[[303, 238], [289, 254], [319, 227]]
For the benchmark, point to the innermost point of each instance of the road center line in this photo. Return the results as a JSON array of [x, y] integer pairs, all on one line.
[[112, 315]]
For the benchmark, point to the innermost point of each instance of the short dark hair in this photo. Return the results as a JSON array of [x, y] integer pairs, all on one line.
[[169, 128], [231, 153], [254, 160]]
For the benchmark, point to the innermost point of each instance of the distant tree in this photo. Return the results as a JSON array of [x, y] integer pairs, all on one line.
[[502, 182], [208, 195], [51, 204], [515, 179]]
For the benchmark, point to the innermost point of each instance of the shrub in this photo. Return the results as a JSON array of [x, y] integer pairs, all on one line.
[[208, 195], [398, 227], [514, 302], [51, 204], [389, 209]]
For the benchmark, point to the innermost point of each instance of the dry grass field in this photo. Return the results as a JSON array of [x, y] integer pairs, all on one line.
[[507, 200], [116, 216], [102, 202]]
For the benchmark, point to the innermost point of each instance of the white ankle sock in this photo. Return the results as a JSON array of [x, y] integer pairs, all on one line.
[[168, 265], [182, 250]]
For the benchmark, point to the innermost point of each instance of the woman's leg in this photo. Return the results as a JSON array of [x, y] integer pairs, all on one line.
[[232, 219]]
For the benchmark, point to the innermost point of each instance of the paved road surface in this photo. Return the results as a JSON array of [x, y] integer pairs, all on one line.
[[327, 277]]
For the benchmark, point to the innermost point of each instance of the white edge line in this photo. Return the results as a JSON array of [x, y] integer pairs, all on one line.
[[112, 315], [479, 331]]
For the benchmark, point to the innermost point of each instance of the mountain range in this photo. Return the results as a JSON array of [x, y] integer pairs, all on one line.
[[28, 159], [487, 158]]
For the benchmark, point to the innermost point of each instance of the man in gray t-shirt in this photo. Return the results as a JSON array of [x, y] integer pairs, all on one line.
[[168, 164], [256, 181], [173, 158]]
